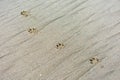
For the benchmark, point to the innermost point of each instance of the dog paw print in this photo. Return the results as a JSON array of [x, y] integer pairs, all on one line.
[[25, 13], [94, 60], [32, 30], [60, 46]]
